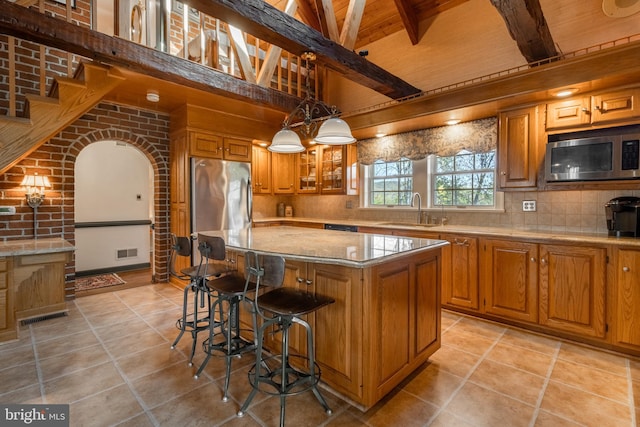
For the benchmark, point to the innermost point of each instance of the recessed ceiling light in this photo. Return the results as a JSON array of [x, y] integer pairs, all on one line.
[[452, 122], [153, 96], [566, 92]]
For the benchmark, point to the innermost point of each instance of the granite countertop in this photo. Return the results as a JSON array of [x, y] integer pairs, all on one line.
[[531, 235], [35, 246], [326, 246]]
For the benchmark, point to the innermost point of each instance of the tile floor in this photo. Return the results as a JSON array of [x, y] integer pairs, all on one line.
[[110, 359]]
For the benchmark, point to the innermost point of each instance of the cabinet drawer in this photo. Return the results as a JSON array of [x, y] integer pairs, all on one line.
[[42, 259], [3, 280], [3, 264]]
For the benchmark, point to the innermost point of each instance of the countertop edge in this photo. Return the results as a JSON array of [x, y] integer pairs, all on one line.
[[35, 247]]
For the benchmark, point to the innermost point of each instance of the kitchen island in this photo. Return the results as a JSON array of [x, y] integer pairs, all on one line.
[[385, 321]]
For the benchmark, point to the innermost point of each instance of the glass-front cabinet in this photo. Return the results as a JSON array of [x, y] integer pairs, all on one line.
[[332, 169], [307, 170]]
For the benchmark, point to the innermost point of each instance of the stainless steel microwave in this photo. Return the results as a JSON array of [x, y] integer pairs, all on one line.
[[597, 158]]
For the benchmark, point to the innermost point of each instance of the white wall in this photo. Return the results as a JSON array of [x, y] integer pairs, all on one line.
[[114, 182]]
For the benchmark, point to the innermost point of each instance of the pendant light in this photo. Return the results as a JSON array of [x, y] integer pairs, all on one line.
[[333, 131]]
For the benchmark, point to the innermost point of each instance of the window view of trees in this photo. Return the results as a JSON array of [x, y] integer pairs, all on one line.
[[465, 179], [391, 183]]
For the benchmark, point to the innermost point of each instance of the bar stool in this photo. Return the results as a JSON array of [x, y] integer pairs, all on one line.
[[228, 291], [282, 307], [198, 320]]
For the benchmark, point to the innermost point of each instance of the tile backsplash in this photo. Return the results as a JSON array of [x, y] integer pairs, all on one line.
[[561, 211]]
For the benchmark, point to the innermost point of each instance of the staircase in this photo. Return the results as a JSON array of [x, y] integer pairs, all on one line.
[[46, 116]]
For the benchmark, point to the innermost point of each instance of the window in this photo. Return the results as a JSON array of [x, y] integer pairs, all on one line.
[[464, 179], [391, 183]]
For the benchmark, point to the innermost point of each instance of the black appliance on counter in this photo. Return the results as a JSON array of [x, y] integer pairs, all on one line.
[[623, 216], [341, 227]]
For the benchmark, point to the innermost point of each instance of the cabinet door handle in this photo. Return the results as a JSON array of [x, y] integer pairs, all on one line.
[[309, 282], [626, 269], [299, 279], [533, 259], [464, 242], [543, 260]]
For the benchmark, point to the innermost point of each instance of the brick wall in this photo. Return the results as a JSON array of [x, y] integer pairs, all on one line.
[[148, 131]]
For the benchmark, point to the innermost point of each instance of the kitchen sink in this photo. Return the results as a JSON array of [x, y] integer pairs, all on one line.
[[408, 224]]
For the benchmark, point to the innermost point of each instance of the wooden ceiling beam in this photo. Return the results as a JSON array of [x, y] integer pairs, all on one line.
[[270, 24], [527, 26], [30, 25], [409, 20], [351, 24], [328, 21]]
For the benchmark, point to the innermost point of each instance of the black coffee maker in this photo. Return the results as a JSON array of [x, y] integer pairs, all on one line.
[[623, 216]]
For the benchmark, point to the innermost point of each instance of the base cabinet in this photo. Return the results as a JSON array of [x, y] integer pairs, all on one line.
[[460, 285], [627, 296], [38, 282], [8, 329], [572, 289], [509, 272]]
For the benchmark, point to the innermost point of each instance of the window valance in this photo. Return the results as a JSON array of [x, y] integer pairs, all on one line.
[[475, 136]]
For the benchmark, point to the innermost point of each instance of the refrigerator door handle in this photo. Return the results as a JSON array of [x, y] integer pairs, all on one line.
[[249, 202]]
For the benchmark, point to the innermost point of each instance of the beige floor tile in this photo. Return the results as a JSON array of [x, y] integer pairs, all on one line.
[[530, 341], [16, 355], [521, 358], [161, 386], [155, 307], [545, 419], [79, 384], [119, 330], [90, 411], [65, 364], [400, 408], [345, 418], [433, 384], [636, 393], [482, 328], [454, 360], [634, 365], [467, 341], [513, 382], [17, 377], [125, 315], [616, 364], [483, 407], [133, 343], [202, 406], [28, 394], [66, 344], [584, 407], [595, 381], [69, 328], [149, 360], [447, 419]]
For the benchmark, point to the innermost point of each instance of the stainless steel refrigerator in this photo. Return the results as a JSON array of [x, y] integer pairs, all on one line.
[[220, 195]]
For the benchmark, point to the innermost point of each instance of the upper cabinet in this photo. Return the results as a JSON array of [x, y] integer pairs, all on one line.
[[204, 144], [307, 178], [261, 170], [586, 111], [518, 159], [333, 173], [283, 173]]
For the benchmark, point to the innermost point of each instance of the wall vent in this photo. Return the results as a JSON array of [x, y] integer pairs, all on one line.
[[126, 253]]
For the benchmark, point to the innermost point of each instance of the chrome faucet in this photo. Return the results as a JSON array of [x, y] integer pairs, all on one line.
[[413, 201]]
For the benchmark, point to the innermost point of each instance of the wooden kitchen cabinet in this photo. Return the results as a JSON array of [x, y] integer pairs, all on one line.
[[8, 330], [332, 161], [615, 106], [627, 294], [572, 289], [204, 144], [569, 113], [518, 159], [307, 172], [284, 173], [260, 170], [509, 275], [460, 283], [38, 283]]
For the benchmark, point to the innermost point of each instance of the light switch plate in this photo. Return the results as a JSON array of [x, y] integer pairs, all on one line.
[[529, 205], [7, 210]]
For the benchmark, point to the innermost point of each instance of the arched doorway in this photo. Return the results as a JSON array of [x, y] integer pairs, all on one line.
[[114, 209]]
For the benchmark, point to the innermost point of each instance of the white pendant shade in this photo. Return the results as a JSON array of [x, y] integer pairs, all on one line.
[[334, 131], [286, 141]]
